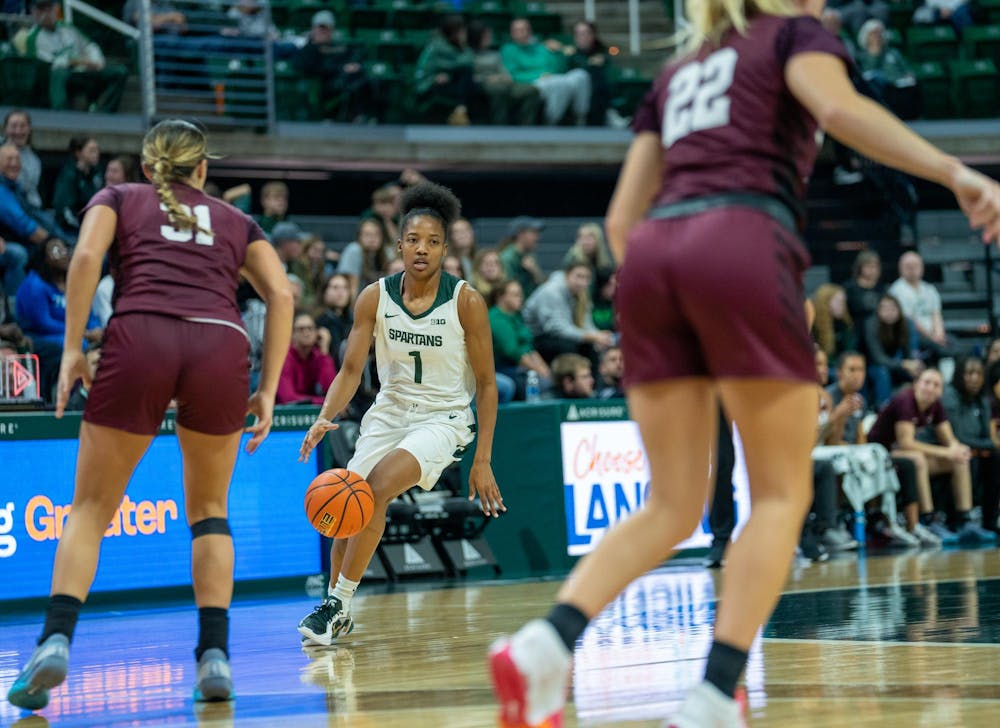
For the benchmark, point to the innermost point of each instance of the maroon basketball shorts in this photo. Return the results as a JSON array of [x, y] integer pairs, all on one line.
[[148, 359], [716, 294]]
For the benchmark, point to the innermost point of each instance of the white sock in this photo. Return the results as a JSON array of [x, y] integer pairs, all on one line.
[[344, 590]]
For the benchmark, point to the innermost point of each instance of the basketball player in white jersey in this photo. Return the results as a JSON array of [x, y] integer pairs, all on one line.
[[434, 352]]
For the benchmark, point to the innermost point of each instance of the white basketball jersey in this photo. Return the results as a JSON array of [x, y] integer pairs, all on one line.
[[422, 359]]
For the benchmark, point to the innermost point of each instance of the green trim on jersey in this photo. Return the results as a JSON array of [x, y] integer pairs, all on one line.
[[446, 289]]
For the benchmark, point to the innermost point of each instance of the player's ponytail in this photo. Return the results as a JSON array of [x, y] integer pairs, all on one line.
[[171, 151], [708, 20], [428, 198]]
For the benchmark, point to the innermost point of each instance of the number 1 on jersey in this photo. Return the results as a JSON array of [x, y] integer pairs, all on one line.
[[418, 367], [697, 97]]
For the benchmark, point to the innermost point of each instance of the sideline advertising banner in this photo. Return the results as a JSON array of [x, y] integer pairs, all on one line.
[[606, 478], [148, 543]]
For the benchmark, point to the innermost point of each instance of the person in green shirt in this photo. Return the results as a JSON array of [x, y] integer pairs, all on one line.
[[274, 205], [518, 257], [444, 76], [544, 66], [514, 351]]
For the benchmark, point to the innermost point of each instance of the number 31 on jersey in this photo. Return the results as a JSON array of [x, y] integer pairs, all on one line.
[[204, 219], [696, 99]]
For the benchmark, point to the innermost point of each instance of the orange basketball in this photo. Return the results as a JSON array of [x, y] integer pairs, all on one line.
[[339, 503]]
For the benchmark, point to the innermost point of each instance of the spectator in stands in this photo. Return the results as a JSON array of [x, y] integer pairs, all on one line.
[[462, 244], [274, 205], [488, 273], [313, 269], [864, 289], [890, 343], [544, 66], [589, 53], [856, 12], [847, 402], [77, 63], [833, 21], [886, 70], [385, 211], [120, 170], [364, 261], [251, 21], [339, 65], [591, 249], [957, 13], [993, 352], [514, 351], [605, 285], [518, 253], [337, 312], [288, 239], [308, 368], [609, 374], [164, 18], [19, 226], [444, 76], [921, 304], [78, 181], [452, 266], [914, 425], [41, 308], [559, 316], [298, 289], [968, 408], [510, 102], [17, 131], [834, 328], [572, 377]]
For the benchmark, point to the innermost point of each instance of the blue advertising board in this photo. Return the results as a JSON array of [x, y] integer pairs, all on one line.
[[148, 543]]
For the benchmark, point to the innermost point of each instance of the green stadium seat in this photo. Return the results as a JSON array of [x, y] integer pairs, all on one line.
[[493, 14], [933, 89], [408, 15], [933, 43], [373, 17], [24, 81], [974, 88], [982, 41], [894, 37], [543, 22], [991, 9], [901, 14], [628, 89], [389, 83], [296, 98]]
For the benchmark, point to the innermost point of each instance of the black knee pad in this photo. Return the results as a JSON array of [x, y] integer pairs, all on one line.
[[210, 527]]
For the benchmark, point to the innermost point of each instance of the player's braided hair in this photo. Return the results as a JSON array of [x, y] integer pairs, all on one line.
[[428, 198], [171, 150]]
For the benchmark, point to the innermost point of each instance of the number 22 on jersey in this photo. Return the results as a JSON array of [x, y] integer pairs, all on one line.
[[697, 97], [204, 220]]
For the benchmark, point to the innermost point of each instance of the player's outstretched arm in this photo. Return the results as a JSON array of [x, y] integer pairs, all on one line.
[[479, 345], [820, 83], [97, 232], [266, 274], [345, 384], [637, 184]]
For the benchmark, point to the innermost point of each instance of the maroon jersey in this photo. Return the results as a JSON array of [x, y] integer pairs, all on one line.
[[903, 408], [184, 273], [727, 120]]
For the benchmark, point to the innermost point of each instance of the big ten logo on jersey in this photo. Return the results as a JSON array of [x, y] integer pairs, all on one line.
[[202, 236], [8, 544], [696, 97], [438, 322]]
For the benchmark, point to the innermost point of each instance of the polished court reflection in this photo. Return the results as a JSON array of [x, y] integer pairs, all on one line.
[[894, 640]]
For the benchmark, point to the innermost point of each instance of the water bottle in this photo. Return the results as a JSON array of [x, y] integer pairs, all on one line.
[[531, 387]]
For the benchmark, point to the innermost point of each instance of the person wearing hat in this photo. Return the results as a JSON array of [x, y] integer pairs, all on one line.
[[75, 60], [347, 91], [287, 238], [518, 257], [885, 68]]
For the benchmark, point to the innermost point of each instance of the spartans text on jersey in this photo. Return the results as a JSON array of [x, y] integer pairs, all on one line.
[[407, 337]]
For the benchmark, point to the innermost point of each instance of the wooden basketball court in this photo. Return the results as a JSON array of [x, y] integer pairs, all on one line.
[[903, 639]]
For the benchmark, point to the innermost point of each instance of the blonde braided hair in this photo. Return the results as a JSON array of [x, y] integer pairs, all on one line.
[[171, 151], [708, 20]]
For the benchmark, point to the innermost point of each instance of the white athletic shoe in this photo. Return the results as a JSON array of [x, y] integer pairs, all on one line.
[[531, 672], [707, 707], [925, 536]]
